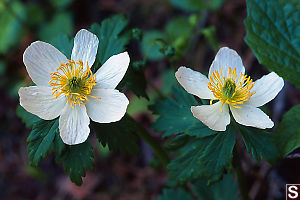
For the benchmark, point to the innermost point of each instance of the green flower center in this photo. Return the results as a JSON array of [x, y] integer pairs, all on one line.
[[74, 84], [229, 88]]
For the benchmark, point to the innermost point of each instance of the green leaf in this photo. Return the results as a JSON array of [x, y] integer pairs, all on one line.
[[179, 37], [135, 79], [197, 5], [61, 23], [259, 143], [112, 39], [273, 34], [63, 44], [206, 157], [27, 118], [175, 116], [118, 136], [76, 159], [2, 68], [227, 188], [150, 46], [189, 5], [175, 194], [58, 146], [168, 82], [40, 140], [61, 4], [12, 14], [35, 14], [288, 132], [210, 36]]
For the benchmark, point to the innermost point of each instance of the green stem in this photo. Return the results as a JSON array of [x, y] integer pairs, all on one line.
[[157, 149], [240, 175]]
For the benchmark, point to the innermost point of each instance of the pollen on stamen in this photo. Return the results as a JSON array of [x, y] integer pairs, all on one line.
[[231, 89], [74, 82]]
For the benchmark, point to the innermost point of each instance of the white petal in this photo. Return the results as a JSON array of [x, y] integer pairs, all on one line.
[[110, 108], [212, 116], [112, 71], [41, 59], [74, 125], [194, 82], [266, 89], [85, 47], [251, 116], [39, 100], [226, 58]]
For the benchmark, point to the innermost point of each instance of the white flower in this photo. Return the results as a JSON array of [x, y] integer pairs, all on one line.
[[69, 89], [231, 88]]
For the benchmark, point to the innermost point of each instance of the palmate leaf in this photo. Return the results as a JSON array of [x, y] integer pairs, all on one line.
[[40, 140], [58, 146], [227, 188], [273, 34], [207, 157], [175, 194], [61, 23], [63, 44], [175, 116], [135, 79], [76, 159], [27, 118], [118, 136], [112, 39], [260, 143], [288, 132]]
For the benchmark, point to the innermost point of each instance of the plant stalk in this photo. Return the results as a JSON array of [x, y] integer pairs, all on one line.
[[240, 175], [155, 146]]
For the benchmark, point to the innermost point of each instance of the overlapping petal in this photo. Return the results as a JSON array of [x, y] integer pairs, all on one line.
[[112, 71], [251, 116], [85, 47], [39, 100], [224, 59], [74, 124], [41, 59], [266, 89], [110, 108], [215, 116], [194, 82]]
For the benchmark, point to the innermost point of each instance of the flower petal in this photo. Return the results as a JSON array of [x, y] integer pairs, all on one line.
[[85, 47], [194, 83], [41, 59], [110, 108], [212, 116], [251, 116], [266, 88], [226, 58], [39, 100], [112, 71], [74, 125]]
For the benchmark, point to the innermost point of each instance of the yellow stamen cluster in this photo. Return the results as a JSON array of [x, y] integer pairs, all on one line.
[[74, 82], [231, 89]]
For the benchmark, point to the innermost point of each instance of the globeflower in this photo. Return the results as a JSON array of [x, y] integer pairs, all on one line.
[[69, 90], [230, 88]]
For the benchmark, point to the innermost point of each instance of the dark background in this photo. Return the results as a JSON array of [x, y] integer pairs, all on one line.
[[119, 176]]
